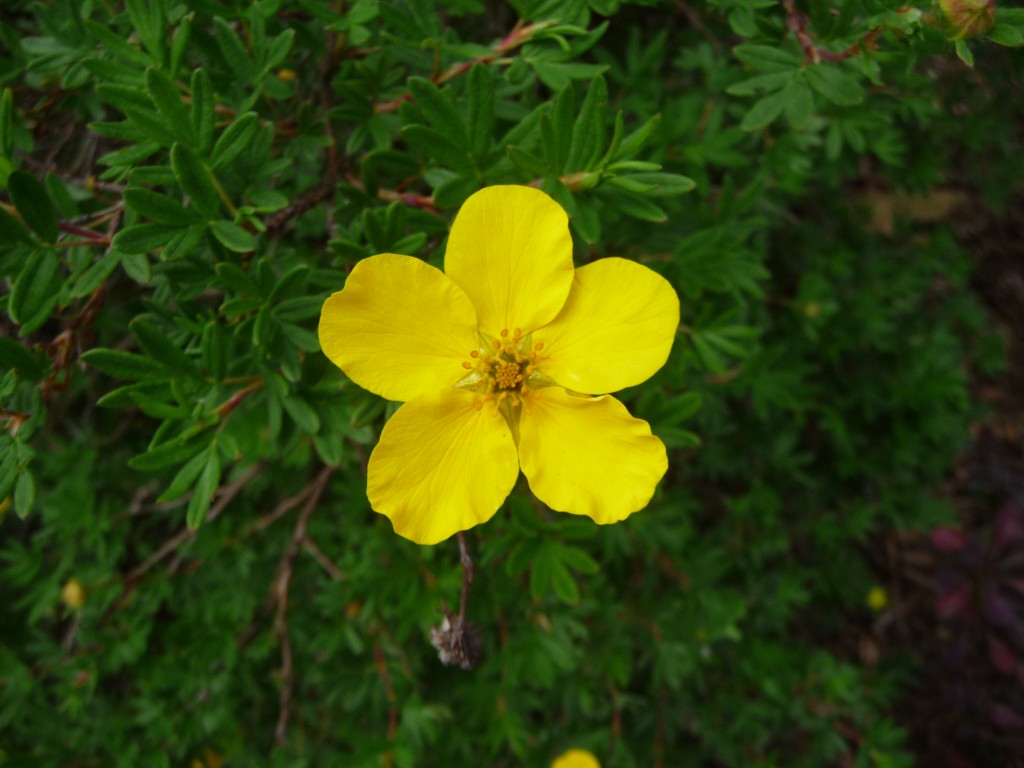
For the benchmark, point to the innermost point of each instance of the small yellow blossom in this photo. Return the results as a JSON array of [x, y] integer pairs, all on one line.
[[576, 758], [877, 598], [73, 594], [504, 361]]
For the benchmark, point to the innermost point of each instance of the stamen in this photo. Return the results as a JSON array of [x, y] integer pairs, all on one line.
[[475, 353], [539, 346], [468, 366], [504, 333]]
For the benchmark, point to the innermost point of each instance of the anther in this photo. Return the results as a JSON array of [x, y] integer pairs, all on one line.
[[475, 353], [496, 344], [539, 346], [468, 366], [504, 332], [517, 333]]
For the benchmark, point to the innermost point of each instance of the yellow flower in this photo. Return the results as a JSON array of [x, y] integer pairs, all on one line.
[[504, 361], [73, 594], [576, 758]]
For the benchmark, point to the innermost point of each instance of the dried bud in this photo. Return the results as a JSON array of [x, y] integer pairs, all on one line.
[[457, 642], [966, 18]]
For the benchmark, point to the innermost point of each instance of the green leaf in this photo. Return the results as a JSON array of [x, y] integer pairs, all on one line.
[[36, 290], [1004, 34], [160, 208], [204, 111], [195, 181], [167, 99], [529, 163], [164, 455], [148, 21], [124, 365], [439, 108], [233, 237], [29, 196], [160, 348], [767, 58], [233, 51], [636, 206], [215, 351], [835, 85], [185, 478], [7, 123], [480, 109], [202, 495], [11, 230], [799, 104], [764, 112], [436, 145], [589, 130], [303, 414], [236, 278], [235, 140], [94, 276], [24, 493], [14, 356], [143, 238], [963, 52]]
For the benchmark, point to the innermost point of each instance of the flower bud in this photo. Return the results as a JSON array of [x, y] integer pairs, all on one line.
[[966, 18], [73, 594]]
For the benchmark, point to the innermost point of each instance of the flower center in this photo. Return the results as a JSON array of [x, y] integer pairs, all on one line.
[[503, 370]]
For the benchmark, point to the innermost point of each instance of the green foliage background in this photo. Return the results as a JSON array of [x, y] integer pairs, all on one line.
[[187, 180]]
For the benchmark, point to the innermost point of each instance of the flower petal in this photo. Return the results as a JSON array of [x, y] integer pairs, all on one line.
[[441, 466], [576, 758], [588, 456], [616, 328], [400, 328], [511, 252]]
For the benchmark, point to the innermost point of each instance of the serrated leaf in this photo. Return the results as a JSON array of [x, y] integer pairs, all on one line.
[[195, 181], [236, 139], [233, 237], [33, 204]]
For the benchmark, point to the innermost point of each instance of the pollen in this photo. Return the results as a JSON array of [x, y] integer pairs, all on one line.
[[501, 369]]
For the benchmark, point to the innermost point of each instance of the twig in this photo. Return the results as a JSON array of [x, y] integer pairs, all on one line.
[[325, 562], [281, 585], [225, 496], [467, 574], [519, 35]]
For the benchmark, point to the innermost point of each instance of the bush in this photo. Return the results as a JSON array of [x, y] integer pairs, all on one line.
[[192, 568]]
